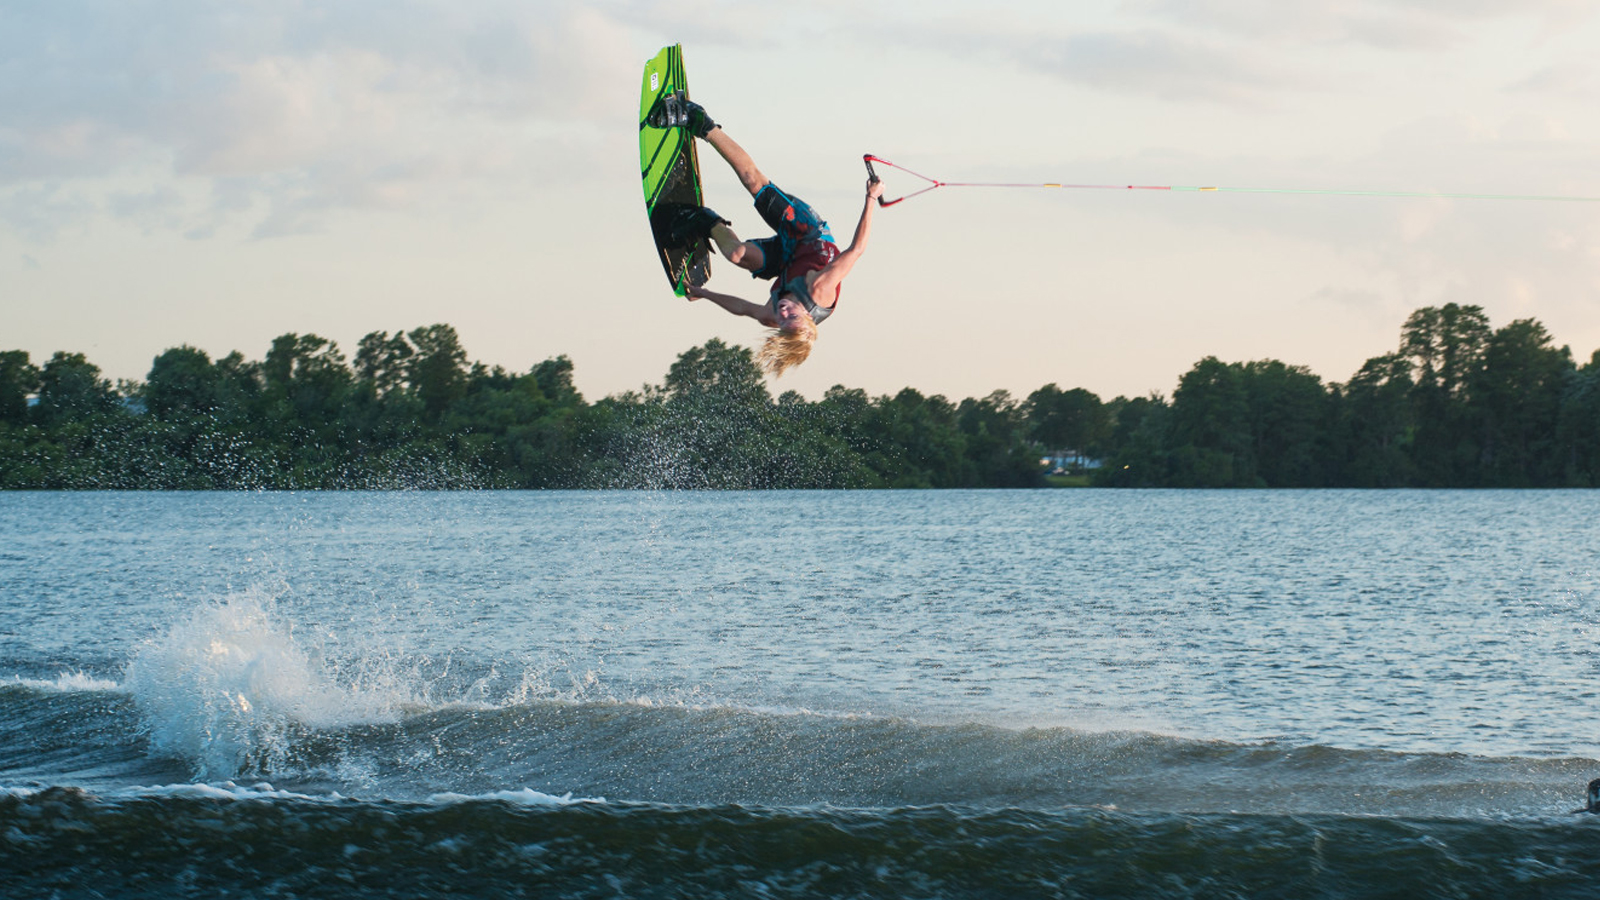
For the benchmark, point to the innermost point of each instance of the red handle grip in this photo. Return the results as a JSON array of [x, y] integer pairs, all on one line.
[[872, 174]]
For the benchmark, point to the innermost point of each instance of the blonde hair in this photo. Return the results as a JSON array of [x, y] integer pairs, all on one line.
[[784, 349]]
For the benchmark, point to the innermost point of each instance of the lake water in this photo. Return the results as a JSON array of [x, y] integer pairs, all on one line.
[[919, 694]]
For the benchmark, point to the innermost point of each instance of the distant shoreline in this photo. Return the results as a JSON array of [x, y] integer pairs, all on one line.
[[1458, 405]]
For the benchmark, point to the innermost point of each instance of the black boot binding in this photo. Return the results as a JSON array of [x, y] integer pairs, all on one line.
[[677, 111]]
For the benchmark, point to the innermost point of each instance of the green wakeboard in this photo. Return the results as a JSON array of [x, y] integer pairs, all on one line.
[[670, 169]]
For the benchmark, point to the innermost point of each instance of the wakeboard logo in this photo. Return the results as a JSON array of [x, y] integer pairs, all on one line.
[[655, 81]]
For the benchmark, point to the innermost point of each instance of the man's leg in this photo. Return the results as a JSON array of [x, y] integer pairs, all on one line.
[[744, 254], [675, 111], [737, 159]]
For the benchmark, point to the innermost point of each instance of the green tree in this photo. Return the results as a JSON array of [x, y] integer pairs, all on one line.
[[1578, 432], [547, 451], [1445, 346], [555, 381], [717, 373], [1291, 415], [1518, 394], [1210, 428], [1378, 425], [709, 425], [18, 379], [437, 370], [1067, 420], [307, 373], [1256, 424], [182, 382], [914, 441], [301, 429], [382, 362], [998, 450], [70, 388], [1137, 454]]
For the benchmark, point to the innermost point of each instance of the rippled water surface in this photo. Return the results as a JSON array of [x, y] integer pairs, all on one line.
[[1269, 693], [1398, 620]]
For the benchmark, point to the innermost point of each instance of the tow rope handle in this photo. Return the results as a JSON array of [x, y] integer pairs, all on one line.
[[872, 173]]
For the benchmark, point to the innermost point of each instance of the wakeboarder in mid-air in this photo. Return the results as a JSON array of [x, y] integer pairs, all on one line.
[[801, 259]]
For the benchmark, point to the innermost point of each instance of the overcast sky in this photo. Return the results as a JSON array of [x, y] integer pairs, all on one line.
[[217, 174]]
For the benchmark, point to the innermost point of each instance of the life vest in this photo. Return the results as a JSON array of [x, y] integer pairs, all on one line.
[[811, 256]]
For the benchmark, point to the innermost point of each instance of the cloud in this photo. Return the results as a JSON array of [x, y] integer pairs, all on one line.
[[1575, 80], [1312, 23], [1398, 25], [1250, 55], [160, 207], [42, 212], [315, 106], [1156, 62], [1160, 64]]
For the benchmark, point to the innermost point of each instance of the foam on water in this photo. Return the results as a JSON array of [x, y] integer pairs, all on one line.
[[228, 689], [226, 790], [524, 797], [67, 683]]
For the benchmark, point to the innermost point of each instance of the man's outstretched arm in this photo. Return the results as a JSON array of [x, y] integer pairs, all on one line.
[[736, 305], [830, 277]]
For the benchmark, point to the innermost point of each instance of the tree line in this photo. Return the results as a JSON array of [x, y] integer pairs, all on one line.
[[1457, 404]]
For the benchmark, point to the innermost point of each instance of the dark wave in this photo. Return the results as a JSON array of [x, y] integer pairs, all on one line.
[[712, 756], [66, 844]]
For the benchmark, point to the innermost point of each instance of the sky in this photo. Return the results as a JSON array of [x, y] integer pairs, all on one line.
[[179, 172]]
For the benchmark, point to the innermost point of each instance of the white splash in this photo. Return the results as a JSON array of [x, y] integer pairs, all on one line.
[[229, 688]]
